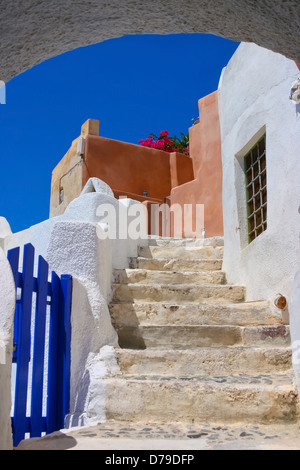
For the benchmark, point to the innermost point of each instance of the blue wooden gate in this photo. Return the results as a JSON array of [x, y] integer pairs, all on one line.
[[41, 356]]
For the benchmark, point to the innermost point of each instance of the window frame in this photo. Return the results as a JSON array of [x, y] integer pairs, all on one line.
[[255, 170]]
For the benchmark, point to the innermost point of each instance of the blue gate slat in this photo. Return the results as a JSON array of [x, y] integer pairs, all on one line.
[[13, 258], [39, 350], [28, 425], [17, 326], [64, 351], [23, 345], [53, 356], [49, 291]]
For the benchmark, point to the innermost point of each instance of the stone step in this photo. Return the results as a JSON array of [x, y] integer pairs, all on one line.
[[144, 276], [242, 314], [258, 398], [193, 336], [205, 361], [182, 293], [163, 264], [191, 437], [174, 242], [181, 252]]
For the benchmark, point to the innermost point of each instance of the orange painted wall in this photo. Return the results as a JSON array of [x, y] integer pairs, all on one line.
[[172, 178], [132, 169], [205, 151], [181, 169]]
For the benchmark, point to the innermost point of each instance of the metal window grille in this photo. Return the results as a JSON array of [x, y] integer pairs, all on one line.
[[256, 188]]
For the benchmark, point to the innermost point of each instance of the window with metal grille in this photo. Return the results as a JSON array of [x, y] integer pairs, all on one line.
[[256, 188]]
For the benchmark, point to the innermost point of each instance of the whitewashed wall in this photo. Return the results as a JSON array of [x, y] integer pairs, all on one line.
[[71, 245], [295, 330], [254, 98], [7, 308]]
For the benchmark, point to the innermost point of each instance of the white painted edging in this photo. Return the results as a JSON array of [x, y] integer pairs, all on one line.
[[7, 310]]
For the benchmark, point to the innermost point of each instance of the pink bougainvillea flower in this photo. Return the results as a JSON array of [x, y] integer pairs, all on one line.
[[165, 143], [168, 141], [146, 142], [154, 144], [164, 133]]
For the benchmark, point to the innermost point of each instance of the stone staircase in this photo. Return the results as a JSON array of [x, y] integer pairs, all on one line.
[[191, 349]]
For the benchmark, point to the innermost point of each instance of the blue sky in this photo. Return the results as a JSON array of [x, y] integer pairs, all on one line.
[[133, 85]]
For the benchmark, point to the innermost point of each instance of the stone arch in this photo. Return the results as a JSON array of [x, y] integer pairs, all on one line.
[[36, 30]]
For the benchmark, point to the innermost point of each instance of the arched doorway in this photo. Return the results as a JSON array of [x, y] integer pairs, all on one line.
[[33, 31]]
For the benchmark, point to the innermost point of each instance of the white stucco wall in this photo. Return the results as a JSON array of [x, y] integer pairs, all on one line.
[[7, 308], [71, 245], [5, 231], [253, 97], [295, 326]]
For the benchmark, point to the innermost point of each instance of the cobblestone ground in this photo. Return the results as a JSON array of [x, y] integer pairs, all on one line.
[[122, 436]]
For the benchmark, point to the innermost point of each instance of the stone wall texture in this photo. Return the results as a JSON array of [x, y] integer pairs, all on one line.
[[36, 30]]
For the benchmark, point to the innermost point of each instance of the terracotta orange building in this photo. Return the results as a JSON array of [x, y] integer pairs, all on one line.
[[148, 175]]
